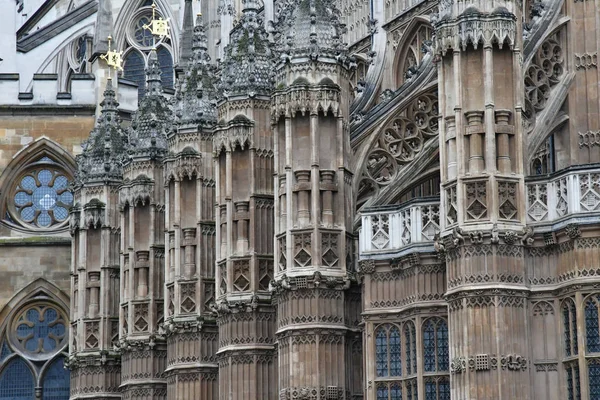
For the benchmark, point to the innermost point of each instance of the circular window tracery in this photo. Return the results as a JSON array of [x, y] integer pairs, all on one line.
[[40, 331], [42, 198]]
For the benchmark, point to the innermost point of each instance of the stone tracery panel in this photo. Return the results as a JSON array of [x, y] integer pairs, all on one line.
[[398, 143]]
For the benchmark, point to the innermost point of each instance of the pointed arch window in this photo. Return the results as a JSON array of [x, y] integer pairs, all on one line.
[[36, 194], [138, 43], [569, 328], [388, 351], [592, 334], [410, 344], [33, 348], [435, 345], [437, 388], [573, 383]]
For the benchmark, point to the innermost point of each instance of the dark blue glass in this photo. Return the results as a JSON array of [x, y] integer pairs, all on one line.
[[5, 351], [443, 389], [567, 329], [381, 351], [443, 355], [430, 391], [570, 392], [429, 346], [382, 393], [134, 70], [16, 381], [574, 329], [395, 352], [396, 392], [407, 345], [591, 326], [577, 382], [165, 60], [56, 381], [594, 380]]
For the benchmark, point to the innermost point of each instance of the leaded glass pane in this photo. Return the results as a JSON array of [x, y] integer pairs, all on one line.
[[443, 355], [570, 395], [591, 326], [407, 345], [134, 70], [567, 329], [594, 380], [142, 35], [5, 351], [56, 382], [430, 391], [42, 198], [382, 392], [574, 329], [444, 390], [166, 66], [396, 392], [16, 381], [429, 346], [577, 382], [395, 352], [381, 351], [41, 331]]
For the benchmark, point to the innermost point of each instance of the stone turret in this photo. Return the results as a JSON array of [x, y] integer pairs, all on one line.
[[314, 205], [483, 222], [190, 229], [244, 195], [94, 363], [142, 246]]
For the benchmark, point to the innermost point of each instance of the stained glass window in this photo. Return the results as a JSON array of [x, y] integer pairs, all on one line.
[[411, 390], [134, 69], [410, 345], [388, 351], [430, 391], [40, 331], [594, 379], [166, 66], [42, 197], [570, 328], [435, 345], [382, 392], [381, 352], [56, 381], [592, 334], [143, 36], [16, 381], [395, 391]]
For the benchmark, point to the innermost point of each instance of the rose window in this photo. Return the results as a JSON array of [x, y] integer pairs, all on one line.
[[42, 198], [40, 331]]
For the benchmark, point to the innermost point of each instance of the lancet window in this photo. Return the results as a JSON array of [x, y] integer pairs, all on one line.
[[435, 345], [569, 327]]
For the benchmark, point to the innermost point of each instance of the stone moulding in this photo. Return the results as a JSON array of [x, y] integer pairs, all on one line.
[[475, 29]]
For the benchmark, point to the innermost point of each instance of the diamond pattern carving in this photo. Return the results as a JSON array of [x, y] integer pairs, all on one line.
[[381, 231], [451, 206], [476, 200], [241, 276], [329, 245], [188, 297], [140, 321], [302, 250], [590, 191], [507, 192]]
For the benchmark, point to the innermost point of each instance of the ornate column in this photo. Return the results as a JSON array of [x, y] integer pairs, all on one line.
[[95, 365], [483, 223], [314, 211], [190, 231], [243, 157], [142, 201]]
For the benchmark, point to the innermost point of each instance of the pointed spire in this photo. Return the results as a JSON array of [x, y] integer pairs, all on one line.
[[185, 48], [196, 92], [104, 150], [153, 73]]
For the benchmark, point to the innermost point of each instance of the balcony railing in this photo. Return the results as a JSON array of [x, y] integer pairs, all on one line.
[[389, 229], [572, 191]]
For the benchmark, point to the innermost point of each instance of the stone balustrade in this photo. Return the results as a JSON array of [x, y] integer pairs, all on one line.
[[390, 229], [568, 193]]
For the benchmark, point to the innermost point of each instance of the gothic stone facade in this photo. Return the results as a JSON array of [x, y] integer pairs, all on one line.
[[300, 200]]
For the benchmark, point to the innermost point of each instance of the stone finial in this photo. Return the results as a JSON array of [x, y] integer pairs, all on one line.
[[103, 151], [196, 92], [153, 73], [187, 33]]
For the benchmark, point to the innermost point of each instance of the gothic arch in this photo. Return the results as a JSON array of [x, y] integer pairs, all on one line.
[[418, 30], [130, 9], [58, 166]]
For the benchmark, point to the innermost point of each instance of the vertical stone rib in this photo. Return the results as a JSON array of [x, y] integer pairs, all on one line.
[[190, 230], [488, 237], [312, 285], [95, 366]]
